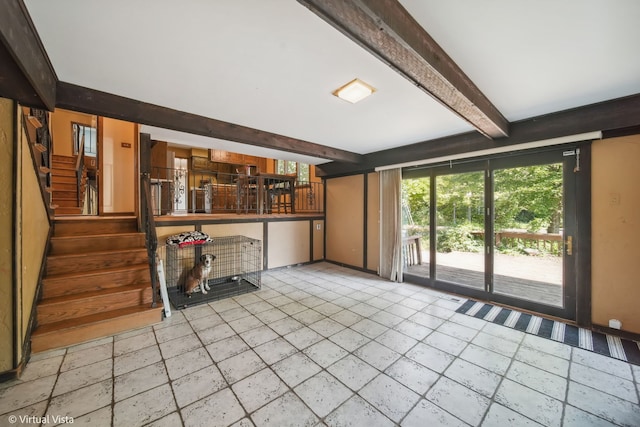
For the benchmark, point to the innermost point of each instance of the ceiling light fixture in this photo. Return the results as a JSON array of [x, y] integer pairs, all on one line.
[[354, 91]]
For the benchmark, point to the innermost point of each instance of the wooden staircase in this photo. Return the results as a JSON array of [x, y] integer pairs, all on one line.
[[64, 186], [97, 282]]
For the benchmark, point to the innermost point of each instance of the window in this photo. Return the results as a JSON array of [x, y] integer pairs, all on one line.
[[87, 134], [287, 167]]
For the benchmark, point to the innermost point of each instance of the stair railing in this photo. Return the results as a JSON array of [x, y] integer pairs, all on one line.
[[35, 123], [80, 172], [149, 228]]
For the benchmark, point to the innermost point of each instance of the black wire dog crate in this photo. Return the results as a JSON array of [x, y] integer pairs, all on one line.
[[235, 270]]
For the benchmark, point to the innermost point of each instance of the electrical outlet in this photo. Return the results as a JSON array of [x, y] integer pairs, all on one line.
[[615, 324]]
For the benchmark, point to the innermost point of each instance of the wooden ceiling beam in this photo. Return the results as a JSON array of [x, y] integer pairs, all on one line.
[[26, 74], [388, 31], [82, 99]]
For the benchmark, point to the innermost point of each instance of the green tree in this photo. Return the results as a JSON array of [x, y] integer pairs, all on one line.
[[531, 194]]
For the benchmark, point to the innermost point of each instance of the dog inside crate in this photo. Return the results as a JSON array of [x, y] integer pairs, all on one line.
[[212, 268]]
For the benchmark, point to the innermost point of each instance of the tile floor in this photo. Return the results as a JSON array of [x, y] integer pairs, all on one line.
[[324, 345]]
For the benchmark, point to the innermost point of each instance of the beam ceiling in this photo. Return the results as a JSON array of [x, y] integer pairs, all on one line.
[[25, 73], [388, 31], [77, 98], [614, 117]]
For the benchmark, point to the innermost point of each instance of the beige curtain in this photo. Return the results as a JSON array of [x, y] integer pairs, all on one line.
[[391, 224]]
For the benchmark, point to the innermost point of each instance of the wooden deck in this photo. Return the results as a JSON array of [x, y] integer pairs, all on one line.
[[468, 270]]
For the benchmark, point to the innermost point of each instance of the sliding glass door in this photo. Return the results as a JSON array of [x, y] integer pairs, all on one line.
[[528, 238], [500, 229], [460, 229]]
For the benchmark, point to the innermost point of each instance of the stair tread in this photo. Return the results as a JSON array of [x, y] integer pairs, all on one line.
[[93, 294], [110, 270], [111, 251], [79, 322], [101, 235], [105, 218]]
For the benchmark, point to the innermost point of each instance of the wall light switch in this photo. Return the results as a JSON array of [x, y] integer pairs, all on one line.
[[318, 227]]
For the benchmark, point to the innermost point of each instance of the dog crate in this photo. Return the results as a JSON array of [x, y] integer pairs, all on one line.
[[235, 270]]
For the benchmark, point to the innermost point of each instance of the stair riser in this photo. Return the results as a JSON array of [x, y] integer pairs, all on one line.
[[64, 186], [64, 194], [68, 211], [81, 333], [55, 158], [49, 313], [91, 262], [92, 226], [63, 180], [63, 172], [103, 243], [66, 203], [52, 287]]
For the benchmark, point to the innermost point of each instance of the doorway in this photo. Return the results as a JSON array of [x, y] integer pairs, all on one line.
[[502, 229]]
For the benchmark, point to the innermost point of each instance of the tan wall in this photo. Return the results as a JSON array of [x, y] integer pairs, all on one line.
[[32, 232], [164, 232], [344, 213], [251, 230], [119, 165], [29, 235], [62, 133], [318, 240], [288, 243], [7, 108], [373, 222], [616, 232]]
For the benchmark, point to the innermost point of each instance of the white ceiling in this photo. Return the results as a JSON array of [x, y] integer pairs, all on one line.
[[272, 64]]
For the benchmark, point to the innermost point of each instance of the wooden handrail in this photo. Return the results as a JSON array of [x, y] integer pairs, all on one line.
[[151, 236], [80, 171]]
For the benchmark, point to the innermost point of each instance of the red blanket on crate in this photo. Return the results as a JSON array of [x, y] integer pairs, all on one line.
[[189, 238]]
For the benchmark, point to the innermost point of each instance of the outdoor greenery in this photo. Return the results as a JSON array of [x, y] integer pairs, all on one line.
[[527, 199]]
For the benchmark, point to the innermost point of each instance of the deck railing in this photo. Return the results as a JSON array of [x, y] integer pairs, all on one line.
[[176, 191], [411, 251]]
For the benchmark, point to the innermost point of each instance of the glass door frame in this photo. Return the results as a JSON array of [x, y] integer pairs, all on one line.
[[577, 223]]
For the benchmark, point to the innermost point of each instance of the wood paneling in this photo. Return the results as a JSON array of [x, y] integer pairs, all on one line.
[[345, 220]]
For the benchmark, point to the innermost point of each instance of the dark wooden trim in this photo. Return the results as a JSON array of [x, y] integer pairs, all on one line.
[[616, 133], [311, 240], [78, 98], [145, 153], [265, 245], [389, 32], [14, 247], [33, 322], [352, 267], [583, 238], [324, 224], [365, 222], [10, 375], [488, 226], [31, 80], [604, 116], [230, 219]]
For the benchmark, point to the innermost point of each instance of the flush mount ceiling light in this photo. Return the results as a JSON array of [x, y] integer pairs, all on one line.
[[354, 91]]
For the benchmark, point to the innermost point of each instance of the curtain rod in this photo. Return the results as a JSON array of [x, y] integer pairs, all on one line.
[[514, 147]]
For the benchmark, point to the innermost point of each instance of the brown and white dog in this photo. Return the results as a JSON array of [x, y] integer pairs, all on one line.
[[198, 275]]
